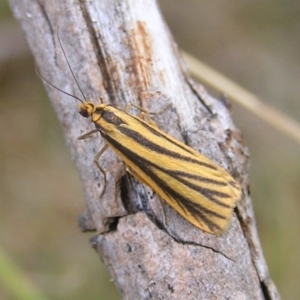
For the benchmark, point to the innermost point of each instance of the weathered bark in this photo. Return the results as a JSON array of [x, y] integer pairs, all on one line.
[[122, 51]]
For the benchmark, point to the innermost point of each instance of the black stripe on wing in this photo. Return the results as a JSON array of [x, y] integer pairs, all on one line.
[[198, 211], [178, 175], [158, 149]]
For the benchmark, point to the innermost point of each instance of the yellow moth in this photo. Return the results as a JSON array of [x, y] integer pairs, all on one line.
[[198, 189]]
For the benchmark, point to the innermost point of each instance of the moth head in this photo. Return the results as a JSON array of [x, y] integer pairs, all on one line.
[[86, 109]]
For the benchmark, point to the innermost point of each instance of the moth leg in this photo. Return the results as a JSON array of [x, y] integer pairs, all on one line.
[[144, 115], [88, 134], [96, 158], [129, 105]]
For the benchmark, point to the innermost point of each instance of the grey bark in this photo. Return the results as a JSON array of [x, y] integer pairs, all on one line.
[[123, 52]]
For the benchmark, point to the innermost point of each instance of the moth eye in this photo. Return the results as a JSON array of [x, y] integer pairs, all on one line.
[[84, 113]]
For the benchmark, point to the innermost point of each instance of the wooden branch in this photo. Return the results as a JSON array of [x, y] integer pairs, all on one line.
[[122, 51]]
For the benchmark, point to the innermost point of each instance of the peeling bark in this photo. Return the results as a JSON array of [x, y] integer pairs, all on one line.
[[123, 52]]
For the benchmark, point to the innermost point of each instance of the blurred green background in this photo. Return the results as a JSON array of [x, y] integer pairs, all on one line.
[[255, 43]]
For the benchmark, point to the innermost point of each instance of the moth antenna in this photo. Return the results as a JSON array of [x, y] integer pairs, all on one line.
[[55, 87], [65, 55]]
